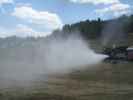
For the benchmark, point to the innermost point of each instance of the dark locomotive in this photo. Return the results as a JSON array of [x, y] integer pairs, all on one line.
[[122, 53]]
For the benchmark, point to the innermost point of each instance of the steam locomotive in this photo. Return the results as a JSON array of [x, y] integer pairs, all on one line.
[[122, 53]]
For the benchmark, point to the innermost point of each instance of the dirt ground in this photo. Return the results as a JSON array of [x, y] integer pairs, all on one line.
[[102, 82]]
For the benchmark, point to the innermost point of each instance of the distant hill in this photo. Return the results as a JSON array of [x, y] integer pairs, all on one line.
[[114, 31]]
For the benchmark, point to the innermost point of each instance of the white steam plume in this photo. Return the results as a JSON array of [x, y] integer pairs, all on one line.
[[55, 56], [65, 55]]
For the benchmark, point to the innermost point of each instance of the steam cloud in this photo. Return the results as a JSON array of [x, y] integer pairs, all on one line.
[[113, 32], [65, 55], [56, 56]]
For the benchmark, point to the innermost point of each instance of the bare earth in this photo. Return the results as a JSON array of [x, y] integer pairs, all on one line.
[[101, 82]]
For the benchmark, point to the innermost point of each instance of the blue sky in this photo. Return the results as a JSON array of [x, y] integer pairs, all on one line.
[[41, 17]]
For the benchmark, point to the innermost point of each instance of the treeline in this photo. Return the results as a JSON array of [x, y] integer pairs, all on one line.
[[92, 29]]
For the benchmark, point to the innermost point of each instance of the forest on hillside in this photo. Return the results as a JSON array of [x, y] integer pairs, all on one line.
[[92, 29]]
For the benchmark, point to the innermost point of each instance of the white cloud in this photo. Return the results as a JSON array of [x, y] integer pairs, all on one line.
[[6, 2], [4, 32], [95, 2], [116, 9], [22, 31], [46, 19]]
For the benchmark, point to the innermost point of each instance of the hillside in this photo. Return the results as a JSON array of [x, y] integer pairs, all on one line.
[[114, 31]]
